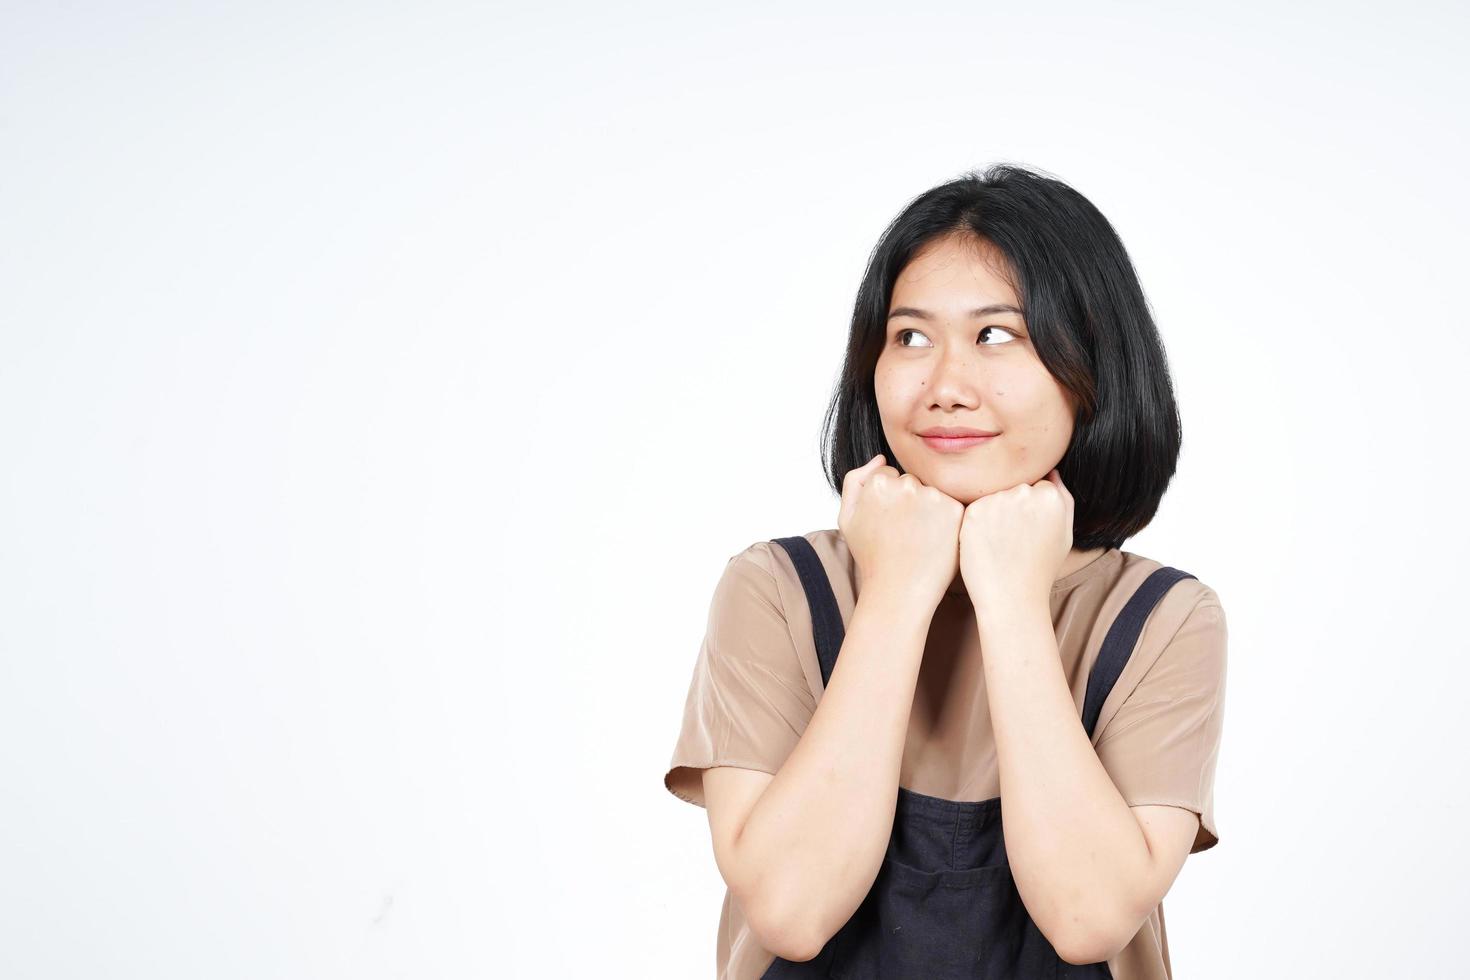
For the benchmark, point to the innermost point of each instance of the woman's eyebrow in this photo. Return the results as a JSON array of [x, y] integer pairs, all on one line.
[[913, 311]]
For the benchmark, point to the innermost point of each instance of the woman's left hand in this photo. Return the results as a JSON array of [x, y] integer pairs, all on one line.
[[1013, 542]]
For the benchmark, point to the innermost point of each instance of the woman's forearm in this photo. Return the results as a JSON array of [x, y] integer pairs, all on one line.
[[1075, 849], [819, 831]]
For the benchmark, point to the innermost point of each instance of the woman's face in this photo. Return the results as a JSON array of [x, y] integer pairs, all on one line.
[[943, 366]]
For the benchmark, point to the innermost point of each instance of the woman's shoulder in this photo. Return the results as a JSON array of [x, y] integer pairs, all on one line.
[[762, 606], [831, 550], [1187, 619], [774, 564], [1185, 594], [775, 558]]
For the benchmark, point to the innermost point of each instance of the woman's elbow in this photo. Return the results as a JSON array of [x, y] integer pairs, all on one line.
[[1080, 953], [1083, 946], [783, 930]]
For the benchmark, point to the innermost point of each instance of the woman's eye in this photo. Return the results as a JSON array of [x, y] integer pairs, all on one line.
[[1010, 334]]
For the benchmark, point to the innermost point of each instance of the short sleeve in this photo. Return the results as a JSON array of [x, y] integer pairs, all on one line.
[[1162, 745], [748, 700]]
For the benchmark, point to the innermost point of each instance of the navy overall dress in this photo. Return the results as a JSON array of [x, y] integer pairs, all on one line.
[[944, 905]]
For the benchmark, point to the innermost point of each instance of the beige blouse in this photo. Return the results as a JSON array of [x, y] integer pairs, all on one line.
[[757, 680]]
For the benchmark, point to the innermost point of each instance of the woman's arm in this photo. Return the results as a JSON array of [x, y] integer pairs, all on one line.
[[1088, 870], [800, 858]]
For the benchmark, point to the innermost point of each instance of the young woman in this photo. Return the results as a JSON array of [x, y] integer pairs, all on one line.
[[972, 632]]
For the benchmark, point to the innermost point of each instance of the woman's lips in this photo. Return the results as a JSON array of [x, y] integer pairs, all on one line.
[[954, 444]]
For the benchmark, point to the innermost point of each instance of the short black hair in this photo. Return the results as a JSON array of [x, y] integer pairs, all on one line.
[[1089, 322]]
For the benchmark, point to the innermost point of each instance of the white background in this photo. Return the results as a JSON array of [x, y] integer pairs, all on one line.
[[384, 387]]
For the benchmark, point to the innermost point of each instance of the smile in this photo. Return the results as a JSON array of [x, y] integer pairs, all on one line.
[[954, 444]]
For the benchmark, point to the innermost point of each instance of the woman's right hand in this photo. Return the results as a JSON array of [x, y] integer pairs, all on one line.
[[903, 534]]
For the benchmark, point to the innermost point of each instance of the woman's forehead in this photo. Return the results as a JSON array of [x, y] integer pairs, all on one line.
[[954, 272]]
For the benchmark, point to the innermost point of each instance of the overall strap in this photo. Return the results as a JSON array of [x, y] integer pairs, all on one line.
[[827, 628], [1122, 638], [1118, 645]]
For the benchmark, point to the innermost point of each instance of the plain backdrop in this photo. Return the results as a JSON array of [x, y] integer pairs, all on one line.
[[383, 389]]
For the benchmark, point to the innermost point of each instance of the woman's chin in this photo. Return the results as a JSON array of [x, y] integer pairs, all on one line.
[[964, 493]]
